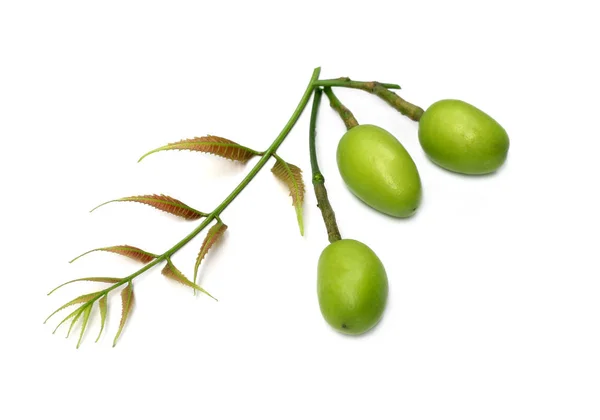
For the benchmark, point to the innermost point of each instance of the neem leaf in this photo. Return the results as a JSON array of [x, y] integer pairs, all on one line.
[[126, 302], [171, 272], [125, 250], [96, 279], [79, 299], [164, 203], [77, 315], [71, 315], [211, 144], [292, 176], [213, 235], [103, 306], [86, 317]]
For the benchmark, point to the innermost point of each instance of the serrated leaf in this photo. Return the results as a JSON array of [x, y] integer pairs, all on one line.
[[126, 304], [125, 250], [86, 317], [291, 175], [171, 272], [215, 145], [71, 315], [95, 279], [164, 203], [79, 299], [102, 306], [213, 235], [77, 315]]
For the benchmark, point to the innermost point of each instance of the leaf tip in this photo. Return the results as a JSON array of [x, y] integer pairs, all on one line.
[[147, 154], [49, 316], [77, 257], [300, 218], [98, 206]]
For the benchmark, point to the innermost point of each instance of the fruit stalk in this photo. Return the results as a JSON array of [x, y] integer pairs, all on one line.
[[318, 180], [339, 107], [347, 82], [412, 111]]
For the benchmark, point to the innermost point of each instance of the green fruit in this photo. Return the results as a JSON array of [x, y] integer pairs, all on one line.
[[379, 170], [459, 137], [352, 286]]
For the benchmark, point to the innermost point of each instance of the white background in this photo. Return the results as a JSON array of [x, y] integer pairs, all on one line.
[[494, 305]]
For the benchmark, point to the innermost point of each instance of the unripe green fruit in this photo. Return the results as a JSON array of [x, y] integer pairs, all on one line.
[[352, 286], [459, 137], [379, 170]]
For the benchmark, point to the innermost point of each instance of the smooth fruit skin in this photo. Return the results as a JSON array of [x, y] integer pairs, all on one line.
[[379, 170], [462, 138], [352, 286]]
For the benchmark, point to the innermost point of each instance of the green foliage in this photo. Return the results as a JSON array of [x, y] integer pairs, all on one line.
[[79, 299], [102, 307], [86, 317]]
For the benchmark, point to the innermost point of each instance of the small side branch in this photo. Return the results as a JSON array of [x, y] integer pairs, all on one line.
[[347, 82], [344, 112], [404, 107], [382, 90]]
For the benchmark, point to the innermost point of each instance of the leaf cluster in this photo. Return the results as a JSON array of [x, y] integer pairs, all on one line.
[[286, 172]]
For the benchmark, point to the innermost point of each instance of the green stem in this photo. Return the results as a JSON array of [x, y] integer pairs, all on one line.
[[344, 112], [346, 82], [221, 207], [274, 146], [318, 179]]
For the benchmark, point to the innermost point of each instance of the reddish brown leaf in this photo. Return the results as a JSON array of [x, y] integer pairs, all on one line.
[[126, 304], [125, 250], [171, 272], [164, 203], [211, 144], [95, 279], [291, 175], [213, 235]]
